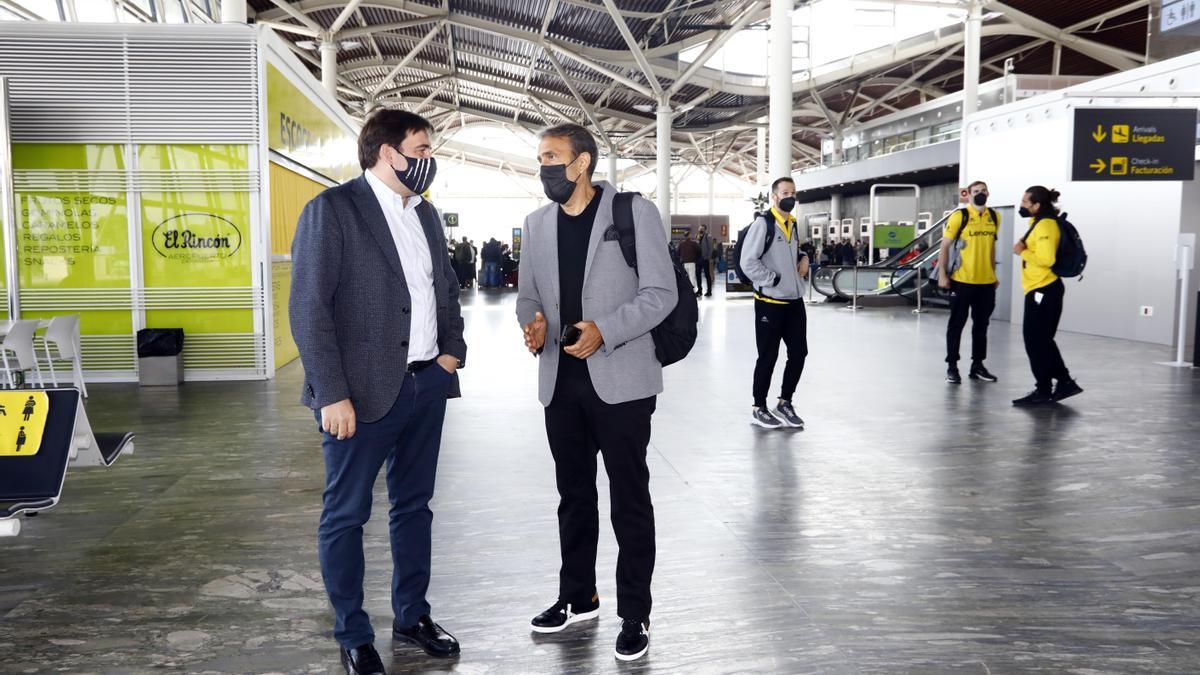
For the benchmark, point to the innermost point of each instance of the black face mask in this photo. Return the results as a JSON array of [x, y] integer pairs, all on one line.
[[787, 204], [555, 183], [419, 174], [1024, 212], [980, 198]]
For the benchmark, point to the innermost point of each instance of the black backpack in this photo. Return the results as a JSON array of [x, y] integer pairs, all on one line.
[[737, 248], [676, 335], [1070, 258]]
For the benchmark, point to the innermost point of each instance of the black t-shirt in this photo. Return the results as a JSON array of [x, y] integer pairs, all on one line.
[[574, 235]]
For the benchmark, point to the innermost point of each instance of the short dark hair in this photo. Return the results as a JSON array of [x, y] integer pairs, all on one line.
[[581, 141], [1044, 197], [785, 179], [388, 126]]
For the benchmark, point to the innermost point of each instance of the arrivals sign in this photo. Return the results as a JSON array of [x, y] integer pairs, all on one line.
[[1134, 144]]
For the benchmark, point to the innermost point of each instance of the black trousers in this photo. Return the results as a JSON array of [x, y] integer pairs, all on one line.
[[772, 323], [1041, 324], [704, 271], [578, 424], [979, 301]]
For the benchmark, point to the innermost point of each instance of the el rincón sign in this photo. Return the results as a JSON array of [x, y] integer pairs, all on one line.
[[196, 237]]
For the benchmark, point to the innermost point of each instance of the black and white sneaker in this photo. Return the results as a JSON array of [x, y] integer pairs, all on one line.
[[952, 375], [763, 418], [634, 640], [563, 614], [978, 372], [784, 411]]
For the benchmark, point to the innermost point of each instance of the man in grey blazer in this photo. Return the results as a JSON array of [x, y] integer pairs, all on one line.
[[588, 314], [374, 310]]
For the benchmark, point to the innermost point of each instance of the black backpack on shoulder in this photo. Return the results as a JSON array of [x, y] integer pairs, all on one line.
[[737, 248], [1070, 258], [676, 335]]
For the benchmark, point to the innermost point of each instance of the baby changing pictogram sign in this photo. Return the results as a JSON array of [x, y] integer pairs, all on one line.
[[22, 421]]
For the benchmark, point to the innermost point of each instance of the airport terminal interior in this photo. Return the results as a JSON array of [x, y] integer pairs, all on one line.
[[169, 173]]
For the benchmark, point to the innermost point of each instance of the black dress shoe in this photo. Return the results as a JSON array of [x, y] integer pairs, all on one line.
[[362, 660], [1035, 397], [428, 636]]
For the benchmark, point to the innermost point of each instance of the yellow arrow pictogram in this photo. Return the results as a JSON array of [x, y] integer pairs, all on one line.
[[1099, 134], [1098, 165]]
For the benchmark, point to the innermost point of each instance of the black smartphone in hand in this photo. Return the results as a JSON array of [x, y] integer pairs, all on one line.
[[570, 336]]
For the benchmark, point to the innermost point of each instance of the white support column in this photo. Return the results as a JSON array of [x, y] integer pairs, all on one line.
[[838, 143], [612, 169], [712, 189], [780, 78], [233, 11], [663, 165], [329, 66], [971, 60], [1057, 64], [835, 212], [761, 168]]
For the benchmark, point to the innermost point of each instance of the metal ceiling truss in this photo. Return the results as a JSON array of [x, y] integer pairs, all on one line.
[[615, 90]]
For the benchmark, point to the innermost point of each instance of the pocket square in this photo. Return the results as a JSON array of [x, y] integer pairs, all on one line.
[[611, 234]]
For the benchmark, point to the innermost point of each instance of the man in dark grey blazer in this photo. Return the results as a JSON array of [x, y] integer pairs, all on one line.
[[375, 312], [589, 314]]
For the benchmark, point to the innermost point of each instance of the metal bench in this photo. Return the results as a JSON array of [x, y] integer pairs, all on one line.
[[32, 484]]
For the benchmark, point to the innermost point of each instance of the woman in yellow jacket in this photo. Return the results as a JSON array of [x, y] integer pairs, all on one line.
[[1038, 251]]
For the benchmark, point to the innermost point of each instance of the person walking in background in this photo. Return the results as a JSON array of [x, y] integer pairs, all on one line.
[[704, 267], [972, 231], [689, 255], [464, 262], [848, 255], [780, 277], [492, 257], [1044, 291]]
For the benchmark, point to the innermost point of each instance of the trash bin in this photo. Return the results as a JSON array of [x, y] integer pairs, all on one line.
[[160, 357]]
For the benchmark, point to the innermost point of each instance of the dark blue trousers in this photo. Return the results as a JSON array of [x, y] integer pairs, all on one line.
[[407, 440]]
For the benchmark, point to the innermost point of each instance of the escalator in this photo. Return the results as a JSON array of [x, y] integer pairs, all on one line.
[[889, 277]]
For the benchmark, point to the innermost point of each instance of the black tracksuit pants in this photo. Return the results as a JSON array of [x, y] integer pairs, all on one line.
[[578, 424], [773, 322], [978, 301], [704, 272], [1041, 324]]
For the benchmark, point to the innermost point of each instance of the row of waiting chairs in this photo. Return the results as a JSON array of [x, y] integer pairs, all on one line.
[[32, 484], [18, 352]]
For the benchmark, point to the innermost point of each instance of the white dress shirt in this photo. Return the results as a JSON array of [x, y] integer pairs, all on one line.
[[413, 248]]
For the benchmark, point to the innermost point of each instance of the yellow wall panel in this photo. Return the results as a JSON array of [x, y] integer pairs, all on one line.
[[289, 193]]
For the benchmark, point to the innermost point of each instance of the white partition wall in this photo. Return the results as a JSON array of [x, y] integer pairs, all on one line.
[[1129, 228]]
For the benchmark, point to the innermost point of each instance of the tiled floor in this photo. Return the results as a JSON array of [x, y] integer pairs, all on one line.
[[914, 527]]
